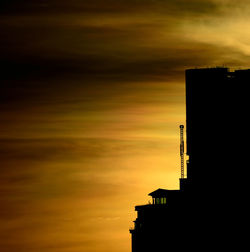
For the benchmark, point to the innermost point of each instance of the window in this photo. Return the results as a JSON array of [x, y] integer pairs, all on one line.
[[164, 201], [161, 201]]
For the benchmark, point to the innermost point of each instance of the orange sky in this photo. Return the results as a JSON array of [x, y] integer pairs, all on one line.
[[92, 95]]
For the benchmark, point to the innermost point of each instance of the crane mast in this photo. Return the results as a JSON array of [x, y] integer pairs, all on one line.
[[182, 150]]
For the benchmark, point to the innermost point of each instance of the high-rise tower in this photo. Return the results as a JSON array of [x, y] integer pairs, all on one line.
[[208, 209]]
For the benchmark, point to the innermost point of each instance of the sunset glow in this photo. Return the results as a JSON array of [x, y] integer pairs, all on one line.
[[92, 96]]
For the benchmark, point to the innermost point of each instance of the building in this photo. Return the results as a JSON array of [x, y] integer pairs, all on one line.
[[206, 212]]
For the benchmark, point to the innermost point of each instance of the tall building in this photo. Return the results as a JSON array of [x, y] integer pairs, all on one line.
[[206, 212]]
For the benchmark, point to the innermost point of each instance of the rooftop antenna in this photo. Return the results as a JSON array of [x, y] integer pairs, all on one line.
[[182, 150]]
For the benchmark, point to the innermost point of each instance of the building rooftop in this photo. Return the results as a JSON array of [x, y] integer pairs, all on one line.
[[159, 193]]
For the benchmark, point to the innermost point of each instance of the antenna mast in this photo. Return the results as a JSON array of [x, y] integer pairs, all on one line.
[[182, 150]]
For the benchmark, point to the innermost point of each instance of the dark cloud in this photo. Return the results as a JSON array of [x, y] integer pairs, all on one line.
[[62, 46], [108, 6], [91, 96], [148, 64], [40, 46], [54, 149]]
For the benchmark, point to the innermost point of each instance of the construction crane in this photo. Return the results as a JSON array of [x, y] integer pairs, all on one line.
[[182, 151]]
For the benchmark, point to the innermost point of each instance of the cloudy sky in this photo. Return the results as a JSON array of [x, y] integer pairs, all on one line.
[[91, 97]]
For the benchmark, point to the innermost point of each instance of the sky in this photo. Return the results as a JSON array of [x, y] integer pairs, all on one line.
[[91, 98]]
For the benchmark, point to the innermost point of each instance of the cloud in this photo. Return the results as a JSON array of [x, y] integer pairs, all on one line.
[[107, 6], [158, 43], [92, 93]]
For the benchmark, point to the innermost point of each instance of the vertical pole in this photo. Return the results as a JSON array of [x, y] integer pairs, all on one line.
[[182, 150]]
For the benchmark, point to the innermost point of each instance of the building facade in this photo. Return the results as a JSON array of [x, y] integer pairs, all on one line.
[[206, 211]]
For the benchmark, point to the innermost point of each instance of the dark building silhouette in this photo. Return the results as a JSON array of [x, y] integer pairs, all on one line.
[[209, 210]]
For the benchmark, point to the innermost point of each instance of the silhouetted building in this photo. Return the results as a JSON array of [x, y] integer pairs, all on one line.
[[207, 210]]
